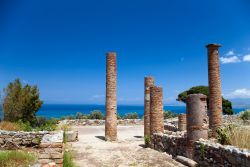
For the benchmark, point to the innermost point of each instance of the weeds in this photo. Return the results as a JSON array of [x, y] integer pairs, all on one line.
[[16, 159]]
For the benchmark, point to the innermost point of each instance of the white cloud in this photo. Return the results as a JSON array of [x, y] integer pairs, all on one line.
[[246, 58], [97, 97], [230, 53], [232, 59], [240, 93]]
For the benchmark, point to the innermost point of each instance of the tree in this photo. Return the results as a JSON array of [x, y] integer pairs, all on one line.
[[21, 103], [226, 104]]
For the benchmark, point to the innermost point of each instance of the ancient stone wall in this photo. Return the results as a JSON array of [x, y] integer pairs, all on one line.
[[111, 105], [148, 83], [15, 140], [51, 149], [215, 99], [206, 153]]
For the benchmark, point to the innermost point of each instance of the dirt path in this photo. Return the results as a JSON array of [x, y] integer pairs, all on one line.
[[93, 151]]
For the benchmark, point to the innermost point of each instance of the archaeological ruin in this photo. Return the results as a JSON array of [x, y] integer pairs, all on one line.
[[148, 83], [156, 111], [215, 100], [111, 104]]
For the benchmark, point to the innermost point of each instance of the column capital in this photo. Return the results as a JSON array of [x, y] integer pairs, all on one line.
[[213, 45]]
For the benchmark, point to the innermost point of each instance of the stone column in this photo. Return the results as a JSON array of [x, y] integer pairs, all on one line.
[[215, 97], [156, 111], [148, 82], [182, 122], [196, 120], [111, 106]]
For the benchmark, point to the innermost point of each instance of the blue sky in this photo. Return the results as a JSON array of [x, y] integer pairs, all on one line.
[[60, 46]]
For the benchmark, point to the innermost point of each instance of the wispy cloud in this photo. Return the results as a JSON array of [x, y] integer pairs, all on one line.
[[230, 53], [97, 97], [233, 59], [246, 58], [239, 93]]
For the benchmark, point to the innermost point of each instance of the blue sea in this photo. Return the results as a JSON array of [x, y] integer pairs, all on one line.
[[59, 110]]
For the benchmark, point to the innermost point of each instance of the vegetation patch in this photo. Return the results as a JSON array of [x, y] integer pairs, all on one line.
[[131, 116], [169, 114], [233, 135], [245, 115], [16, 159], [68, 159]]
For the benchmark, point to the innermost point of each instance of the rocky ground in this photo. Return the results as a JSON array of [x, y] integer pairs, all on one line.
[[91, 150]]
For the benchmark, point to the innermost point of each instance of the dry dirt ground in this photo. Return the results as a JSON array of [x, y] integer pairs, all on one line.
[[92, 151]]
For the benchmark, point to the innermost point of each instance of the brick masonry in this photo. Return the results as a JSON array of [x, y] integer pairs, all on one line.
[[111, 104], [182, 122], [197, 120], [215, 99], [148, 82], [156, 111]]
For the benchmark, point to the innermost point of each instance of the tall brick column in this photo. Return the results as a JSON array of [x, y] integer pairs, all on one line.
[[111, 106], [196, 120], [148, 82], [215, 99], [156, 111]]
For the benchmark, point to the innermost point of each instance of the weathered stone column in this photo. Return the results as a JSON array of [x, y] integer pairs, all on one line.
[[111, 106], [148, 82], [156, 111], [182, 122], [215, 99], [196, 120]]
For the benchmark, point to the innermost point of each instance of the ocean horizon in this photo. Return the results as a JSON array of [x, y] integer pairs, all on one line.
[[60, 110]]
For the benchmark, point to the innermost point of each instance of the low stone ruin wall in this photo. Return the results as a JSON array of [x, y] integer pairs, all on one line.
[[207, 153], [173, 144], [14, 140], [52, 149], [170, 127], [97, 122]]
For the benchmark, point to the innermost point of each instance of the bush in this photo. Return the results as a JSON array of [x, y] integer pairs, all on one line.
[[245, 115], [16, 159], [80, 115], [131, 116], [169, 114], [68, 159], [96, 115], [21, 102], [223, 134], [147, 141], [48, 125]]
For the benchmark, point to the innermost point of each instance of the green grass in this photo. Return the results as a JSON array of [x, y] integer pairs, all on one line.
[[68, 159], [16, 159]]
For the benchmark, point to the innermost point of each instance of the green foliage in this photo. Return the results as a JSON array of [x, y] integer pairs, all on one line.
[[47, 124], [245, 115], [202, 149], [21, 102], [24, 126], [68, 159], [96, 115], [226, 104], [16, 158], [147, 141], [224, 134], [131, 116], [169, 114]]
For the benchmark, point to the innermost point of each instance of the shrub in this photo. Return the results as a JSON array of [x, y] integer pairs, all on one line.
[[131, 116], [223, 134], [96, 115], [68, 159], [245, 115], [25, 126], [147, 141], [21, 102], [48, 125], [80, 115], [16, 158], [169, 114]]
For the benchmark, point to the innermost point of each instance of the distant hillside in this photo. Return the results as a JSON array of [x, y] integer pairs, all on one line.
[[241, 103]]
